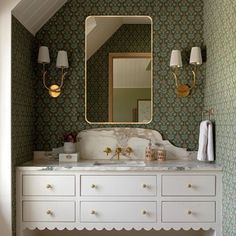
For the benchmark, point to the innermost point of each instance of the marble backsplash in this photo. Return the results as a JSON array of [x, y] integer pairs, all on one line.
[[92, 143]]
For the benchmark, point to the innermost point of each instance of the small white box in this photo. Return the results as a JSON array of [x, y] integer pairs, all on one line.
[[68, 157]]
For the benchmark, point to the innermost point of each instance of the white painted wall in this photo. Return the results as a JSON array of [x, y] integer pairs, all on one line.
[[5, 116], [131, 73]]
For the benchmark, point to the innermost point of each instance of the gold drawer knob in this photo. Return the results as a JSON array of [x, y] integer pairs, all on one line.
[[144, 212], [49, 186], [49, 212], [189, 185], [189, 212], [93, 212], [93, 186]]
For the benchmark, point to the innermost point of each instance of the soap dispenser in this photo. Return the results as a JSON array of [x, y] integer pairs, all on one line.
[[149, 154]]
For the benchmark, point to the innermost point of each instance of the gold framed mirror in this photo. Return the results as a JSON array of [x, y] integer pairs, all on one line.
[[118, 69]]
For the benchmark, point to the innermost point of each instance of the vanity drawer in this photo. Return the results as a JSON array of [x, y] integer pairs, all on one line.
[[188, 212], [118, 212], [118, 185], [48, 211], [188, 185], [48, 185]]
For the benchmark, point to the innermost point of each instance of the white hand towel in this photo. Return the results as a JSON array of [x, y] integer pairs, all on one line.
[[206, 145]]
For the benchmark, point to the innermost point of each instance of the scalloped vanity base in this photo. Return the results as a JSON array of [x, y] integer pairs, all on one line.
[[121, 227], [139, 200], [118, 233]]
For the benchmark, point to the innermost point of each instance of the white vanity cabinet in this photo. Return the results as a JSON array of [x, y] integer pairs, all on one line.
[[87, 199], [48, 185], [118, 185]]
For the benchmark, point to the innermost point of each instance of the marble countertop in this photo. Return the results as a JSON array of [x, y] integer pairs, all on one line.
[[137, 165]]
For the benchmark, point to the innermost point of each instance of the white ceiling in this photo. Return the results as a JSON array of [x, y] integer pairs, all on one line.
[[33, 14], [131, 73]]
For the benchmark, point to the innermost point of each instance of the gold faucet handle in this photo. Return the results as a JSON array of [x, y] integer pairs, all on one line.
[[129, 150], [107, 150], [118, 150]]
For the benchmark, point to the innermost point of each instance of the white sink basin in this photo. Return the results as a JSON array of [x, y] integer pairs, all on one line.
[[119, 163]]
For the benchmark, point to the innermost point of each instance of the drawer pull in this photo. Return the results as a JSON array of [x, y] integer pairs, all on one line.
[[49, 186], [189, 185], [93, 212], [49, 212], [189, 212], [68, 156], [145, 186], [93, 186], [144, 212]]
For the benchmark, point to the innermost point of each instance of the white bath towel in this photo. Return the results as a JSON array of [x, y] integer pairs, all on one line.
[[206, 145]]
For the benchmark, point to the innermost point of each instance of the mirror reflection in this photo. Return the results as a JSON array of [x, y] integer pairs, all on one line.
[[118, 69]]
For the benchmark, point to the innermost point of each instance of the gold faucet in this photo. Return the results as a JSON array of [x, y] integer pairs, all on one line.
[[107, 150], [118, 151]]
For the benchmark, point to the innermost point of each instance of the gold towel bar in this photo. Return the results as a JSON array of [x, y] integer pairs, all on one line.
[[210, 112]]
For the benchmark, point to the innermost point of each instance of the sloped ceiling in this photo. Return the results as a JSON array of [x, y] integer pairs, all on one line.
[[33, 14], [99, 29]]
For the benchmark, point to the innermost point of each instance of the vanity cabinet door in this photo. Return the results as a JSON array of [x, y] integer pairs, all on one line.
[[118, 185], [47, 211], [118, 212], [188, 212], [48, 185], [188, 185]]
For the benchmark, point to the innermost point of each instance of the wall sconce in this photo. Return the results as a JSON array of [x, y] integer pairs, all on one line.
[[183, 90], [61, 63]]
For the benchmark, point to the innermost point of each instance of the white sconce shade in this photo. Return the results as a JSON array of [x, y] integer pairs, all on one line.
[[62, 60], [43, 56], [176, 59], [195, 56]]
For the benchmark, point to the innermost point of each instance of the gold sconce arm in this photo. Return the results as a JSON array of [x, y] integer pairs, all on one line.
[[62, 77], [54, 90], [183, 90], [44, 77], [175, 74], [194, 72]]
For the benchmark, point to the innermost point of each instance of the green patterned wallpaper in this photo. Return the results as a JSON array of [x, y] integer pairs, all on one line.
[[128, 38], [220, 94], [176, 24], [22, 99]]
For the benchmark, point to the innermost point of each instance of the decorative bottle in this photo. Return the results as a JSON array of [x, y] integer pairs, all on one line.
[[149, 154]]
